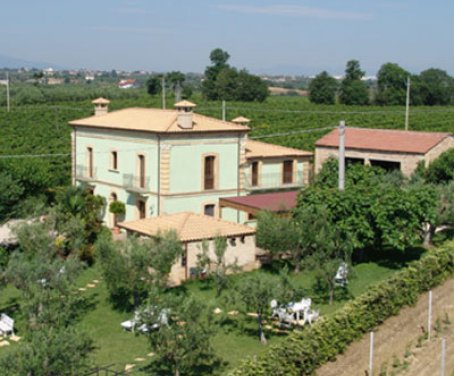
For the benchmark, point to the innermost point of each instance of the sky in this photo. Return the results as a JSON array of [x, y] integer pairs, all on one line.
[[263, 36]]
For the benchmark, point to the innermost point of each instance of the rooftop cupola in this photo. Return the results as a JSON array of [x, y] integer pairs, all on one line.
[[101, 106], [241, 120], [184, 109]]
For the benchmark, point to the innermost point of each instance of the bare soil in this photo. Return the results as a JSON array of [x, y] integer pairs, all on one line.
[[396, 345]]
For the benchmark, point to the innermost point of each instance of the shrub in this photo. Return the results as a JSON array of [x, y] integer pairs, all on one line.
[[303, 352]]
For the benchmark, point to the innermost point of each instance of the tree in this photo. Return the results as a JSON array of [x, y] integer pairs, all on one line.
[[78, 217], [331, 247], [392, 84], [227, 83], [353, 91], [322, 89], [183, 344], [437, 87], [130, 267], [255, 292], [441, 170], [153, 85], [280, 236], [52, 346]]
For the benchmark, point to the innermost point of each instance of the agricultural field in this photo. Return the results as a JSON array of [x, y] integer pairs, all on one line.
[[290, 121]]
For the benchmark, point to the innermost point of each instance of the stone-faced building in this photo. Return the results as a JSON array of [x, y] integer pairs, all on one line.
[[390, 149]]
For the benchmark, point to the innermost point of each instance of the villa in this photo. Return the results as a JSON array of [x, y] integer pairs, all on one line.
[[169, 161]]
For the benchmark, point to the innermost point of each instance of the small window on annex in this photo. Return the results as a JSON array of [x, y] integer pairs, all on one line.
[[141, 208], [209, 210]]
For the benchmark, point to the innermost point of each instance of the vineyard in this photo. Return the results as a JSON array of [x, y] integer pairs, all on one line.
[[43, 129]]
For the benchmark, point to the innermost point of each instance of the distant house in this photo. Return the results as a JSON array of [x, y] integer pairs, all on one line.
[[194, 229], [55, 81], [127, 84], [389, 149]]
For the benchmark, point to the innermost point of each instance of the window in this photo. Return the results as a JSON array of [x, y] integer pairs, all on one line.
[[114, 160], [209, 210], [232, 242], [184, 259], [386, 165], [141, 208], [90, 162], [250, 216], [208, 182], [141, 171], [287, 177], [255, 174]]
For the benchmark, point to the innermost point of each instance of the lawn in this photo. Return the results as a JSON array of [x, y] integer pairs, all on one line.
[[232, 342]]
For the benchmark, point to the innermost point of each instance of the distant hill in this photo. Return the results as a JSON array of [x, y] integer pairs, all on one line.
[[12, 62]]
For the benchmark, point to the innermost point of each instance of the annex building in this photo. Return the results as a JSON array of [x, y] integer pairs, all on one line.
[[386, 148]]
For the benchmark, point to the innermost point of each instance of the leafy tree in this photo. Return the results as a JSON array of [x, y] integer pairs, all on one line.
[[53, 346], [280, 236], [322, 89], [331, 247], [132, 266], [392, 87], [183, 346], [78, 216], [54, 351], [255, 292], [353, 91], [441, 170], [153, 85], [227, 83], [437, 87]]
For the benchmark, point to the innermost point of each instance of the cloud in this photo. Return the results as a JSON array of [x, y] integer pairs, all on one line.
[[296, 11]]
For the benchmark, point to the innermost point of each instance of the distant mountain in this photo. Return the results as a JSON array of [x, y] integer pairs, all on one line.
[[12, 62]]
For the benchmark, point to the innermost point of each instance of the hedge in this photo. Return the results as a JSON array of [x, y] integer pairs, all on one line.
[[303, 352]]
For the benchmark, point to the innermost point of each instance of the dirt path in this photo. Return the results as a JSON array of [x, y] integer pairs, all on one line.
[[396, 342]]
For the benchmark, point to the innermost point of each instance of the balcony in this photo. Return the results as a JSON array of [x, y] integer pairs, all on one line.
[[272, 181], [136, 184], [84, 173]]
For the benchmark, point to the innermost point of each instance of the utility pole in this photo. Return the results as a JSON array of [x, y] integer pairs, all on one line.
[[407, 105], [223, 110], [163, 91], [342, 155]]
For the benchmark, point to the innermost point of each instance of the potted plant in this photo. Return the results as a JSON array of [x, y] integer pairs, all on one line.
[[118, 209]]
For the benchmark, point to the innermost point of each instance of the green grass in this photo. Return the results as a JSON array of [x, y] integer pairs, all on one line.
[[232, 342]]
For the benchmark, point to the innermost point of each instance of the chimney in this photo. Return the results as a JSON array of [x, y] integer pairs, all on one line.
[[101, 106], [184, 118], [241, 120]]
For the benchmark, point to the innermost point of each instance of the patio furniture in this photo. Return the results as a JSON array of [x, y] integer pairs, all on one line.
[[6, 324]]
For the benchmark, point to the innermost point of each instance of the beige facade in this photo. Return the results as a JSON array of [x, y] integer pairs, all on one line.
[[408, 161], [240, 249]]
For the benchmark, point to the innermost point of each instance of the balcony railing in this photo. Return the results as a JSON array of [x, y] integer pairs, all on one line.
[[135, 183], [85, 173], [273, 181]]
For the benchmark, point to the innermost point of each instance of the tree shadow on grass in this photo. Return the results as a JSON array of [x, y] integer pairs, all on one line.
[[11, 306], [388, 257]]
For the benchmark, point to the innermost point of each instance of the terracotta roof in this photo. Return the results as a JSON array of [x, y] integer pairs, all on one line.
[[156, 121], [276, 201], [185, 104], [189, 226], [100, 100], [257, 149], [384, 140]]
